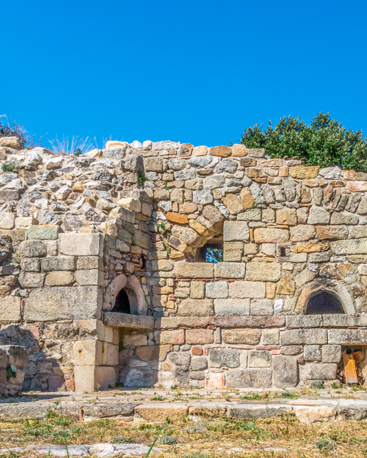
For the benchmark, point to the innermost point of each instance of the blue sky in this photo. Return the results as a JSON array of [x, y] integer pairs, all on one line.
[[189, 71]]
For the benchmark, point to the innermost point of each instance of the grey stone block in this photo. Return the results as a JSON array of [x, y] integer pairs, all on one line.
[[55, 263], [285, 371], [317, 371], [312, 352], [304, 336], [220, 357], [331, 353], [199, 363], [249, 378], [259, 358]]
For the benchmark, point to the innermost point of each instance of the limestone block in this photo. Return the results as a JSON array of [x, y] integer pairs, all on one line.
[[60, 278], [214, 182], [304, 277], [317, 371], [200, 151], [286, 285], [10, 142], [7, 220], [176, 337], [81, 244], [24, 222], [332, 232], [259, 358], [33, 249], [10, 309], [263, 271], [215, 381], [202, 197], [105, 377], [110, 354], [302, 233], [291, 349], [84, 378], [135, 340], [224, 357], [285, 373], [318, 215], [194, 270], [304, 172], [357, 246], [286, 216], [199, 336], [304, 336], [87, 353], [89, 277], [221, 151], [57, 263], [347, 336], [229, 270], [249, 378], [262, 307], [30, 264], [239, 150], [247, 199], [196, 307], [232, 307], [235, 231], [45, 232], [344, 218], [312, 353], [63, 303], [199, 363], [241, 336], [247, 289], [331, 353], [197, 290], [233, 204], [216, 290], [232, 251], [270, 337], [31, 280], [106, 333], [270, 235]]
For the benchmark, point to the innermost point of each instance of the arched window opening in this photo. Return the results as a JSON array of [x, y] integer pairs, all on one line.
[[126, 302], [212, 251], [324, 303]]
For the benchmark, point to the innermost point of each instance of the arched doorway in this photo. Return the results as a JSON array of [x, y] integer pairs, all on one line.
[[324, 302]]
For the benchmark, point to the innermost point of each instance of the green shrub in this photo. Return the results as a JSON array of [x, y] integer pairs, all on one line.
[[324, 142]]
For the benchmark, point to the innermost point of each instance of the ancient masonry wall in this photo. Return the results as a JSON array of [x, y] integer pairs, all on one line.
[[74, 231]]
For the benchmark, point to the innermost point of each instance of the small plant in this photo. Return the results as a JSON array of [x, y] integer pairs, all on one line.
[[325, 445], [142, 178], [77, 152], [122, 440], [8, 168], [168, 440], [11, 371], [319, 386], [158, 398]]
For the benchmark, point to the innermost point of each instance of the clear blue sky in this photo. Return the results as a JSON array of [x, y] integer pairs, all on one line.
[[188, 71]]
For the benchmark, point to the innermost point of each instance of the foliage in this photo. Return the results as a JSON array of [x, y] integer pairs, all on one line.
[[15, 130], [324, 142], [10, 167]]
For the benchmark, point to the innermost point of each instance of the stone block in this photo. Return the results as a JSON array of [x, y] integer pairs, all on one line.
[[110, 354], [356, 246], [84, 378], [312, 353], [196, 307], [303, 172], [235, 231], [105, 377], [217, 290], [262, 307], [199, 363], [7, 221], [24, 222], [331, 353], [57, 263], [304, 336], [286, 216], [89, 262], [87, 353], [135, 340], [232, 251], [332, 232], [270, 337], [347, 336], [194, 270], [263, 271], [150, 353], [30, 264], [291, 349], [249, 378], [224, 357], [270, 235], [285, 371], [286, 285], [197, 290], [241, 336], [302, 233], [199, 336], [175, 337], [60, 278], [81, 244], [318, 215], [317, 371], [221, 151], [89, 277], [247, 289], [232, 307], [106, 333], [63, 303], [33, 249], [215, 381], [10, 309], [45, 232], [259, 358], [31, 280], [229, 270]]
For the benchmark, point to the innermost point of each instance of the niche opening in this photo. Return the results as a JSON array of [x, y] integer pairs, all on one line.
[[324, 303], [212, 251], [126, 302]]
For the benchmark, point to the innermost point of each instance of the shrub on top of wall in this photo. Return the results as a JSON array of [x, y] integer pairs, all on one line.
[[324, 142]]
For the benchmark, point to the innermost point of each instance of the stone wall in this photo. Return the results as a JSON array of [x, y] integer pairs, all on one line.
[[75, 230]]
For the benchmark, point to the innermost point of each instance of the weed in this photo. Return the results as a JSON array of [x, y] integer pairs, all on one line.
[[319, 386], [11, 167], [168, 440], [325, 445], [158, 398], [142, 178], [122, 440]]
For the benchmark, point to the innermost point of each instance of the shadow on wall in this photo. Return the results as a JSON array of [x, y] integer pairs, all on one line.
[[43, 372]]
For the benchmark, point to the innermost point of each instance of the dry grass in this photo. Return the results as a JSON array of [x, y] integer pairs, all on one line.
[[207, 437]]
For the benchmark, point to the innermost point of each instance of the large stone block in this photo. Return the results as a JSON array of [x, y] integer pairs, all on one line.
[[10, 309], [87, 353], [231, 307], [286, 216], [80, 244], [249, 378], [247, 289], [217, 289], [312, 353], [52, 263], [259, 358], [224, 357], [84, 377], [105, 377], [199, 336], [31, 280], [356, 246], [285, 371], [60, 278], [304, 171], [196, 307], [222, 151], [229, 269], [194, 270], [175, 337], [318, 215], [63, 303], [347, 336], [302, 233], [270, 235], [263, 271], [304, 336], [332, 232], [33, 249], [7, 221], [241, 336], [199, 363], [89, 277], [262, 307], [317, 371], [331, 353], [45, 232], [235, 231], [232, 251]]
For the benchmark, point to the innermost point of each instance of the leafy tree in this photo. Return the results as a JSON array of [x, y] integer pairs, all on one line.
[[323, 142]]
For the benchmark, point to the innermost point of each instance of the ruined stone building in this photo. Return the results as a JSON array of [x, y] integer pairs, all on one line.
[[167, 264]]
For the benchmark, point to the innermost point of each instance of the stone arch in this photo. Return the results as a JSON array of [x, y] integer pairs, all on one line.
[[333, 287], [134, 291]]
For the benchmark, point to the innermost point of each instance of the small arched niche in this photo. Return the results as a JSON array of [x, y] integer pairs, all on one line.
[[126, 302], [324, 302], [125, 295]]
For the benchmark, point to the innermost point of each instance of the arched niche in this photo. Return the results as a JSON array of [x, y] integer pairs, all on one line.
[[324, 302], [125, 293]]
